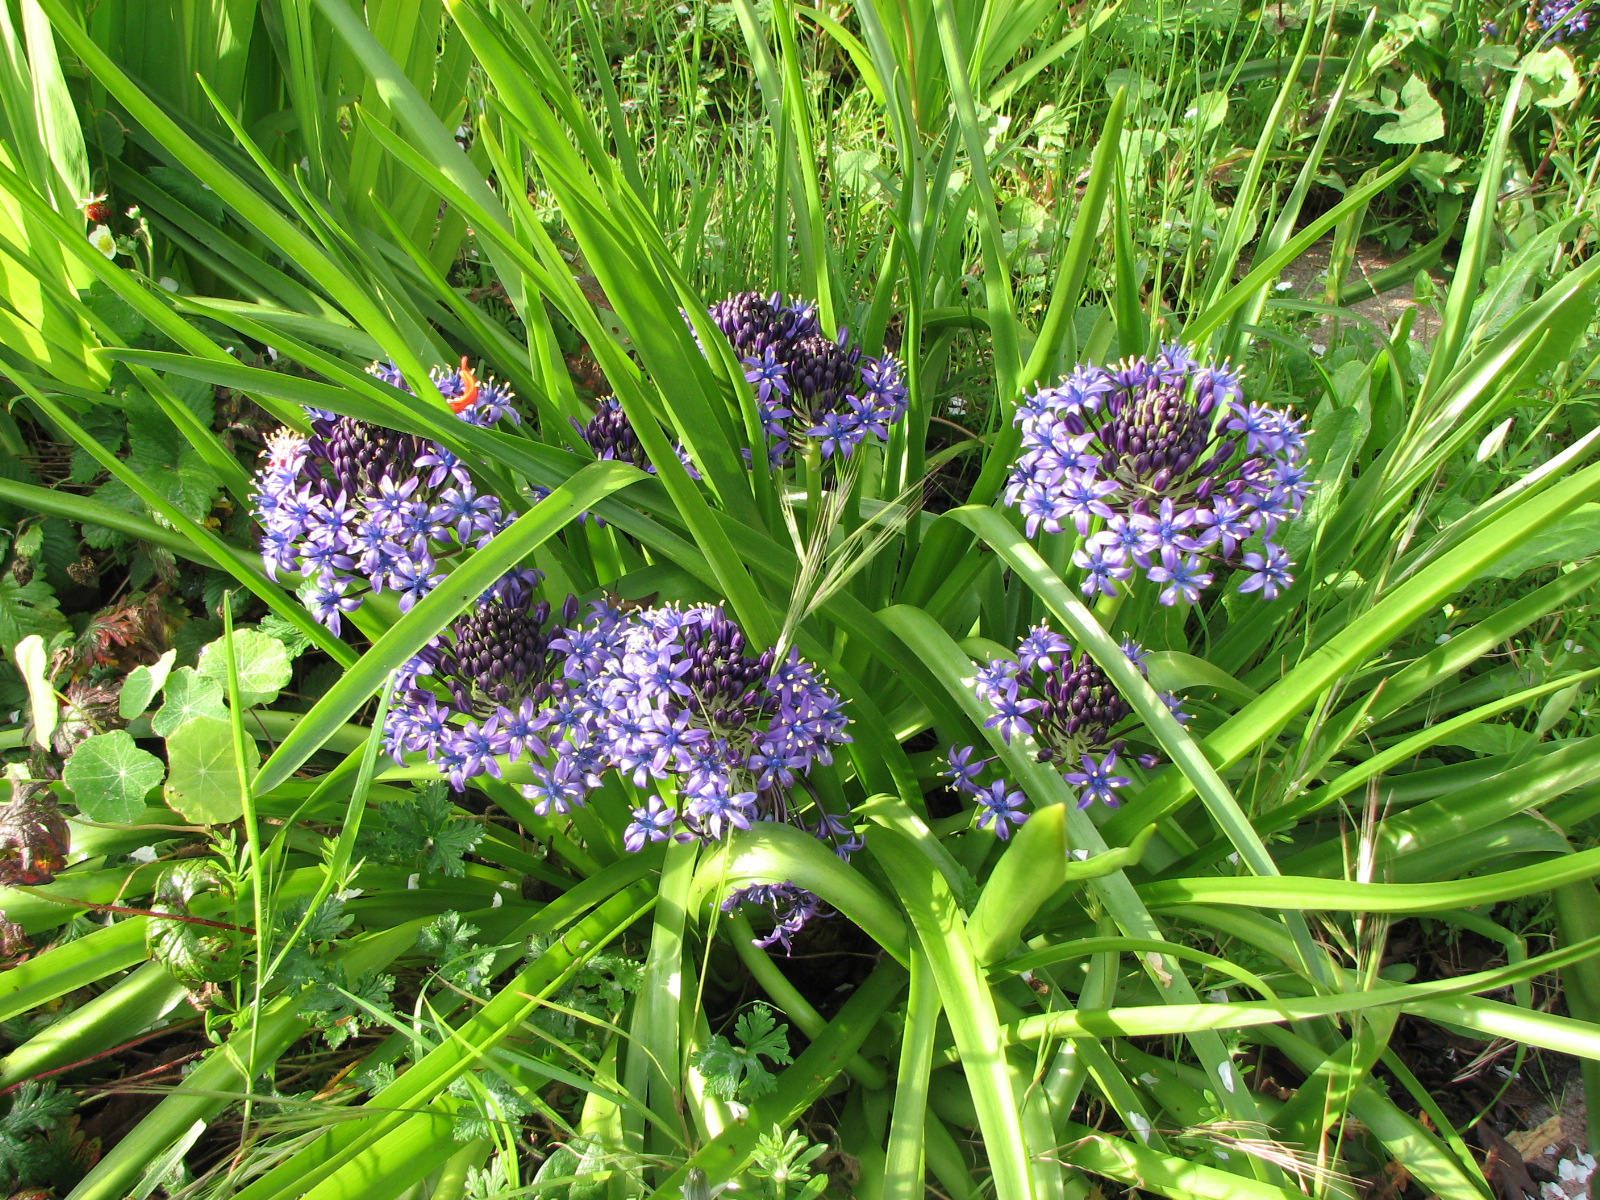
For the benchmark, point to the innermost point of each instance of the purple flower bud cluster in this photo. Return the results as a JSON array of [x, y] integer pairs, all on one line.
[[482, 689], [1559, 20], [612, 437], [657, 693], [808, 384], [355, 507], [1069, 706], [1163, 469]]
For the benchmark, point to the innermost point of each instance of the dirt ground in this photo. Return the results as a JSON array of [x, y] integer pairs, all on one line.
[[1309, 273]]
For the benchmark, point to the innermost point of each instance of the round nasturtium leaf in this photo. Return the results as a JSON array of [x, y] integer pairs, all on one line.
[[263, 665], [110, 777], [203, 783], [188, 695]]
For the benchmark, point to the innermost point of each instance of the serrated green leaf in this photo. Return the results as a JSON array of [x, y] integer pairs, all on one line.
[[29, 542], [142, 685], [28, 608], [110, 777], [203, 783], [189, 695], [263, 665]]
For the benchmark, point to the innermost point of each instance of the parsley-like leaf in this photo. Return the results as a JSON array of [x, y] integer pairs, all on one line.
[[737, 1072], [426, 832]]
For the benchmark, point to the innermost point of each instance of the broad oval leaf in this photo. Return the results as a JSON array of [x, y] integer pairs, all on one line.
[[143, 685]]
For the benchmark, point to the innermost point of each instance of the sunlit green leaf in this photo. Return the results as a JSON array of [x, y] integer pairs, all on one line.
[[110, 776], [203, 783]]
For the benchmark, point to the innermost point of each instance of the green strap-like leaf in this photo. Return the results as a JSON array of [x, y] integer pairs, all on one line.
[[942, 931], [1308, 893]]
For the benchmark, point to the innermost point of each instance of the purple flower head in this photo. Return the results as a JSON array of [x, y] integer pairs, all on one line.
[[1269, 573], [652, 823], [1000, 808], [792, 909], [1162, 466], [376, 506], [482, 690], [1069, 706], [611, 436], [328, 600], [679, 693], [477, 401], [808, 384], [1559, 20]]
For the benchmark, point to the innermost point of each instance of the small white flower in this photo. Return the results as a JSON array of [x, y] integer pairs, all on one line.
[[1220, 996], [413, 882], [167, 284], [1141, 1125], [1229, 1077], [1442, 639], [143, 854], [496, 900], [1149, 1079], [348, 894], [102, 239]]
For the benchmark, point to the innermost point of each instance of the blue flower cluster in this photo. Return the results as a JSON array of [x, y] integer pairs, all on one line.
[[674, 693], [355, 507], [1069, 706], [1559, 20], [1163, 469], [484, 689], [613, 438], [809, 385], [654, 694]]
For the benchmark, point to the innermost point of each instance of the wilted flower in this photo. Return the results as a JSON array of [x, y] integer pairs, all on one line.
[[1163, 469], [809, 384]]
